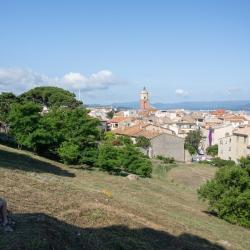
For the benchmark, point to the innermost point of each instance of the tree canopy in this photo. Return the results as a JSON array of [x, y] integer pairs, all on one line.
[[6, 100], [51, 97], [228, 194], [192, 141], [67, 133]]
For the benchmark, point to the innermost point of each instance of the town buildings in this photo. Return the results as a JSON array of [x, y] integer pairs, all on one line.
[[167, 129], [235, 146]]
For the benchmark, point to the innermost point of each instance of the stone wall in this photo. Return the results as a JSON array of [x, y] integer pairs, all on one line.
[[168, 146]]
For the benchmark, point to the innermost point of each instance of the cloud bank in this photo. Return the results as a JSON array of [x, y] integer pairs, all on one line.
[[20, 80], [181, 92]]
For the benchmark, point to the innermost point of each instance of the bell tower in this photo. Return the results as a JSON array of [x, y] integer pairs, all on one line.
[[144, 99]]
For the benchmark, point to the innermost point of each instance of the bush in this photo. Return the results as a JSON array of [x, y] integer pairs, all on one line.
[[190, 149], [134, 161], [89, 156], [165, 159], [143, 142], [109, 158], [212, 150], [69, 152], [228, 194], [218, 162], [123, 159]]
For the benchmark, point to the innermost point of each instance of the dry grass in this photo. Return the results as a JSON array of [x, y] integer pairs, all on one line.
[[57, 207]]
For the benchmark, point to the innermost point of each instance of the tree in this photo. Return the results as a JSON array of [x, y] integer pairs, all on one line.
[[69, 152], [109, 158], [68, 127], [51, 97], [134, 161], [110, 114], [23, 120], [212, 150], [6, 100], [228, 194], [245, 162], [64, 133], [126, 158], [143, 142], [192, 141]]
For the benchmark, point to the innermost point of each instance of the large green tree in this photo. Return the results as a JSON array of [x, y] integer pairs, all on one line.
[[192, 141], [23, 120], [6, 100], [228, 194], [51, 97]]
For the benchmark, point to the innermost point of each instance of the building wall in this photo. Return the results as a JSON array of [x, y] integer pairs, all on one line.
[[218, 133], [233, 147], [168, 146]]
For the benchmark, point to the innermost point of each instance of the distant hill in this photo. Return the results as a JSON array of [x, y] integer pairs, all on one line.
[[232, 105]]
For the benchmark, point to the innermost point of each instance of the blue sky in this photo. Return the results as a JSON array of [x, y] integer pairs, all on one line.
[[180, 50]]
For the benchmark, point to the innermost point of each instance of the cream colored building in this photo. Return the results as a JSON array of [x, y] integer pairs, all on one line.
[[235, 146], [218, 132]]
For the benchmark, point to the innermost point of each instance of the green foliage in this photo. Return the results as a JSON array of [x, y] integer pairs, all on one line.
[[133, 161], [51, 97], [228, 194], [110, 114], [143, 142], [23, 120], [123, 159], [165, 159], [69, 152], [109, 158], [6, 100], [70, 134], [245, 162], [190, 149], [192, 141], [111, 138], [218, 162], [212, 150], [125, 140]]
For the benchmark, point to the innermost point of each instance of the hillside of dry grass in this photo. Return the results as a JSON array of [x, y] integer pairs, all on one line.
[[61, 207]]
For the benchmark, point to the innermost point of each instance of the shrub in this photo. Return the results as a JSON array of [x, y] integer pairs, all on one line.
[[165, 159], [143, 142], [218, 162], [228, 194], [134, 161], [89, 156], [123, 159], [109, 158], [69, 152], [212, 150], [190, 149]]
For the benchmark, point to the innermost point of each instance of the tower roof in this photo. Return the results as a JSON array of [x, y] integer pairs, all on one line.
[[144, 91]]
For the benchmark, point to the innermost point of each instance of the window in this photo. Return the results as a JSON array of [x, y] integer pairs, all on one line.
[[229, 149], [245, 139]]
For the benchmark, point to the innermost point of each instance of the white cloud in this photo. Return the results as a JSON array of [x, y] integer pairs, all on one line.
[[20, 80], [181, 92]]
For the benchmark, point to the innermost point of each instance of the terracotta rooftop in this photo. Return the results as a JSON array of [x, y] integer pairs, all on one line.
[[136, 131], [118, 119], [218, 112]]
